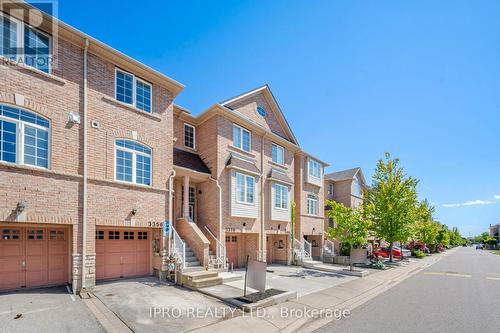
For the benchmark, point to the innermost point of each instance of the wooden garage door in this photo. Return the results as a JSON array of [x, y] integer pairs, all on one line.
[[33, 257], [122, 253]]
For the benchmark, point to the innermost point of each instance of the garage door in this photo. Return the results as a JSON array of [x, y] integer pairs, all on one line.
[[33, 257], [122, 253]]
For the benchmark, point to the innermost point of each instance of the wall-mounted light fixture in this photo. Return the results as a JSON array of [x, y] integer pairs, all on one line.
[[134, 211], [73, 118]]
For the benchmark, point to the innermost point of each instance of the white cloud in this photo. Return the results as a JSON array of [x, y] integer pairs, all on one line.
[[469, 203], [497, 197]]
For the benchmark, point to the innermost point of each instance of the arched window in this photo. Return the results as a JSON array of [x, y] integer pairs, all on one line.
[[24, 137], [133, 162]]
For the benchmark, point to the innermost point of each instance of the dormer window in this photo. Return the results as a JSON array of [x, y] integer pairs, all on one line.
[[189, 136]]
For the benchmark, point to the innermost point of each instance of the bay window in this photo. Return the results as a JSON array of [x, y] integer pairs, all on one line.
[[245, 188], [280, 196], [312, 204], [314, 168]]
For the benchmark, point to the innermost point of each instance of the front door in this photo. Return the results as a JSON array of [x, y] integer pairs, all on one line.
[[232, 250]]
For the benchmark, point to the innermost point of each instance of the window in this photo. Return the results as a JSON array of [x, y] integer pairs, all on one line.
[[56, 235], [330, 189], [17, 38], [280, 196], [11, 234], [142, 235], [314, 169], [241, 138], [128, 235], [244, 188], [131, 90], [312, 204], [133, 162], [261, 111], [189, 136], [99, 234], [278, 154], [113, 235], [35, 234], [192, 194], [24, 137], [357, 188]]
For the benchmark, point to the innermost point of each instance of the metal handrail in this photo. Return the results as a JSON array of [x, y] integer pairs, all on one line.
[[307, 249], [179, 247], [220, 249]]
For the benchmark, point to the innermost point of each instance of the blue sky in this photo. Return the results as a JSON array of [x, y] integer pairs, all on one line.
[[420, 79]]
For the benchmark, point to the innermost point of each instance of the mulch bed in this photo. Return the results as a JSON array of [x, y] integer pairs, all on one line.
[[259, 296]]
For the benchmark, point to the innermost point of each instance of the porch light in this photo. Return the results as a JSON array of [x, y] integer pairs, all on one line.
[[134, 211]]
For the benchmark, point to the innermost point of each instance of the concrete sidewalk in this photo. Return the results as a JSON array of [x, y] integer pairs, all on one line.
[[317, 309]]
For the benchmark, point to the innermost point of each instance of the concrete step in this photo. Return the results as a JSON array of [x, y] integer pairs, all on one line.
[[310, 263], [193, 276], [192, 263], [191, 258], [230, 277], [204, 283]]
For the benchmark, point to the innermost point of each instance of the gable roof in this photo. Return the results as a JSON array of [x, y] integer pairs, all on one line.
[[345, 175], [274, 104]]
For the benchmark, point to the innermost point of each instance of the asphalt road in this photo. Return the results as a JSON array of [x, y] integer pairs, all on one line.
[[460, 293]]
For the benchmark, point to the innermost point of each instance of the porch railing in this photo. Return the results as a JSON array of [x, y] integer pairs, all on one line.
[[307, 250], [179, 247], [220, 253]]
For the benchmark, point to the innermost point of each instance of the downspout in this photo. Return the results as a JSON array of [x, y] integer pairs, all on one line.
[[167, 238], [85, 158], [262, 205], [219, 189]]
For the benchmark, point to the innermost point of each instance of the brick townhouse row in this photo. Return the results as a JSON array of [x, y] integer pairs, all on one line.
[[95, 158]]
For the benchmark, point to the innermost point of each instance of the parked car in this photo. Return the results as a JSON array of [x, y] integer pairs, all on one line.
[[479, 247], [384, 252]]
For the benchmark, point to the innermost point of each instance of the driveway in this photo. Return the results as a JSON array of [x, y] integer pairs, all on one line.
[[295, 278], [146, 305], [45, 310]]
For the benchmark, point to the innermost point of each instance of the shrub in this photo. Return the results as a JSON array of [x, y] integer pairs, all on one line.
[[419, 254]]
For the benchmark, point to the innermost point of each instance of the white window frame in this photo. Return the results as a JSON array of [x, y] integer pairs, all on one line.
[[310, 162], [312, 199], [245, 189], [20, 25], [278, 149], [134, 164], [283, 189], [194, 136], [134, 90], [357, 188], [20, 125], [241, 129], [330, 189]]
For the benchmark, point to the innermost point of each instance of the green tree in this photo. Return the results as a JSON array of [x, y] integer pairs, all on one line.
[[426, 229], [391, 201], [443, 236], [351, 229]]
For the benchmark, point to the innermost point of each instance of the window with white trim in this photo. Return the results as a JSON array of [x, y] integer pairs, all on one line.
[[245, 188], [133, 162], [242, 138], [312, 204], [358, 190], [189, 136], [24, 44], [280, 196], [330, 189], [314, 168], [129, 89], [24, 137], [278, 154]]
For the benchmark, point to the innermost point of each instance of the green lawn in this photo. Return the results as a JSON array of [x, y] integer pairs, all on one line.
[[496, 252]]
